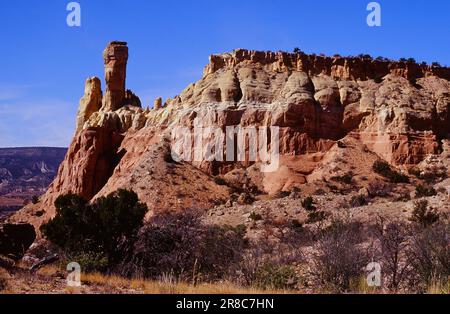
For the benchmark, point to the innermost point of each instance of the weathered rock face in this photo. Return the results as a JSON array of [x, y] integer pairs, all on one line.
[[91, 101], [158, 103], [397, 110], [343, 68], [115, 57], [89, 163]]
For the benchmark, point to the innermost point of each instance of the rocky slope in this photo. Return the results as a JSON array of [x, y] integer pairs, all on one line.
[[26, 172], [396, 111]]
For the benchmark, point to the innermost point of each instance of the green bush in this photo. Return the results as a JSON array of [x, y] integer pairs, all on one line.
[[423, 214], [91, 261], [220, 181], [378, 79], [296, 225], [308, 204], [436, 64], [255, 217], [358, 201], [385, 170], [316, 216], [35, 199], [271, 276], [100, 231], [345, 178], [425, 191], [282, 194]]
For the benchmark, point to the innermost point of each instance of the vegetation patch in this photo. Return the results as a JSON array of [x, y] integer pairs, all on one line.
[[384, 169]]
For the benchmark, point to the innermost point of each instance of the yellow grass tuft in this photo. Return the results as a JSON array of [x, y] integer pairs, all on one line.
[[164, 287]]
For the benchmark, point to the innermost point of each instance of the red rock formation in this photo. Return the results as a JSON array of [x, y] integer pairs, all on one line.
[[89, 163], [346, 68], [398, 110], [115, 57], [91, 101]]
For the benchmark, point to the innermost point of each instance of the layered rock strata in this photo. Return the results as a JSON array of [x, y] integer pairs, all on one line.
[[397, 110]]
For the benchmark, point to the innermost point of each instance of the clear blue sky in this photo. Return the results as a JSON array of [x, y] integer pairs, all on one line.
[[44, 63]]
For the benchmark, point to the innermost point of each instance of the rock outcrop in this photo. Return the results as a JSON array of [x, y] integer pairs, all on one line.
[[396, 110], [91, 101], [115, 57]]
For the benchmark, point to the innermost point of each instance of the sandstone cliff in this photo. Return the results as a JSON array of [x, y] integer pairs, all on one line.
[[399, 111]]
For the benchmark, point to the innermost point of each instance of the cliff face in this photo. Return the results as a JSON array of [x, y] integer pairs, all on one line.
[[26, 172], [400, 111]]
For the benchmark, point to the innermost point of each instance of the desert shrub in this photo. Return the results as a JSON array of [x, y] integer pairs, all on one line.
[[35, 199], [430, 256], [255, 216], [415, 172], [394, 243], [220, 181], [90, 261], [431, 175], [385, 170], [423, 215], [358, 201], [182, 245], [3, 281], [316, 216], [403, 197], [382, 168], [320, 192], [296, 225], [98, 232], [281, 194], [273, 276], [240, 230], [379, 189], [263, 259], [378, 79], [365, 56], [339, 258], [346, 178], [436, 64], [425, 191], [308, 204]]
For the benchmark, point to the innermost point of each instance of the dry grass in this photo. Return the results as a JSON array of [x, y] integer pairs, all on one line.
[[439, 288], [169, 287], [45, 282]]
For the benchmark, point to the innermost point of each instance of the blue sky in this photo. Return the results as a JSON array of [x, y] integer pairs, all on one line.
[[44, 63]]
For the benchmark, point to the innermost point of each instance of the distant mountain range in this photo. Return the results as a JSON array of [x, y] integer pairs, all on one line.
[[26, 172]]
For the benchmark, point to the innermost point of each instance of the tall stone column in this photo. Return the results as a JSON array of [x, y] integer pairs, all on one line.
[[115, 57]]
